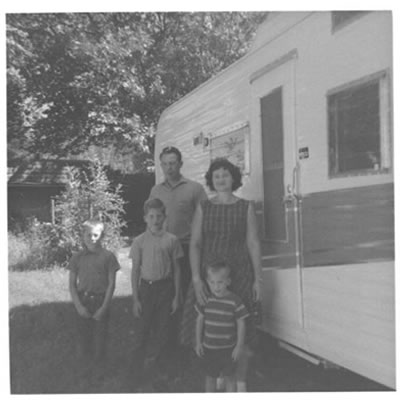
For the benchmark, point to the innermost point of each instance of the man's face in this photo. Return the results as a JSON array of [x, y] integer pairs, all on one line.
[[171, 166]]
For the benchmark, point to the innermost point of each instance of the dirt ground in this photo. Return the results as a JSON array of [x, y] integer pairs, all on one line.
[[273, 369]]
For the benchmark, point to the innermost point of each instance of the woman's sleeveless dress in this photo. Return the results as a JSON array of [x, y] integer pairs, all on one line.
[[224, 230]]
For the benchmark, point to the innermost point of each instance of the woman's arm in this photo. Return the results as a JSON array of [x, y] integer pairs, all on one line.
[[199, 334], [254, 247], [195, 255], [241, 332]]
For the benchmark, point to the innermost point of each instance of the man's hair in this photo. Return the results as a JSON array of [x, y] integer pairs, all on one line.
[[155, 204], [171, 150], [93, 223], [218, 266], [223, 163]]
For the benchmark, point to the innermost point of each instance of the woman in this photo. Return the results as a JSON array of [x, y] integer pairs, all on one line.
[[224, 227]]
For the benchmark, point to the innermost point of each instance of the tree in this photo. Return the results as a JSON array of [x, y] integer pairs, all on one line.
[[76, 80]]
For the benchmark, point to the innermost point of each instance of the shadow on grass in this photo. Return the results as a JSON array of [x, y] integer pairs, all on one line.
[[43, 351], [43, 359]]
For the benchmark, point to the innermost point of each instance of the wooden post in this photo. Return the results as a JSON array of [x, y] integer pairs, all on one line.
[[53, 211]]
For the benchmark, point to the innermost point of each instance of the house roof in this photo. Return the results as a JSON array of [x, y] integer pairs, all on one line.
[[44, 172]]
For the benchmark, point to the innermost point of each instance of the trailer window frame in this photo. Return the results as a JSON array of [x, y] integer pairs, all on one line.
[[384, 163], [230, 131]]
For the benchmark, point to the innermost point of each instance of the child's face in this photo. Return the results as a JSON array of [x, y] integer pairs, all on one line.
[[218, 282], [154, 219], [92, 237]]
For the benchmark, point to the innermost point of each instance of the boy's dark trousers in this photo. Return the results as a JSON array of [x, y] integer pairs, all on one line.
[[174, 350], [92, 333], [156, 299]]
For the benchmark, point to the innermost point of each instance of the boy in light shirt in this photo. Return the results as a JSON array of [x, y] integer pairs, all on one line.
[[155, 277]]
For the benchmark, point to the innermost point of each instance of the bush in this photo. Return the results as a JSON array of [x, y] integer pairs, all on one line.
[[18, 250], [38, 247], [88, 195]]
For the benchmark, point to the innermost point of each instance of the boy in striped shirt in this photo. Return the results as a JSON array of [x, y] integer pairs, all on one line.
[[220, 329]]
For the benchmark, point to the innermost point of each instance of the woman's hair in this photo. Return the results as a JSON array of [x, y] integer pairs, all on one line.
[[156, 204], [219, 163]]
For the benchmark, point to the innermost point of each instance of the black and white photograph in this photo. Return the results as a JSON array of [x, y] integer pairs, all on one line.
[[200, 200]]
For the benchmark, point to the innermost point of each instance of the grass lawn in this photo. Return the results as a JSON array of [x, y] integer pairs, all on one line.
[[42, 347]]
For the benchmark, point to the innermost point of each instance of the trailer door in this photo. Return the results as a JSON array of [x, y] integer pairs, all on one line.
[[274, 107]]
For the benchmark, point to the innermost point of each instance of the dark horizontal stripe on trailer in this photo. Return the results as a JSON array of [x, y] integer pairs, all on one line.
[[349, 226], [348, 262], [281, 261]]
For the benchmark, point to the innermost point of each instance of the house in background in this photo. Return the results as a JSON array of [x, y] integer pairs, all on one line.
[[32, 185]]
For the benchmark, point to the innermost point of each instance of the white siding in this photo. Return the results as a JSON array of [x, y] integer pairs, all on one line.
[[350, 317], [348, 310]]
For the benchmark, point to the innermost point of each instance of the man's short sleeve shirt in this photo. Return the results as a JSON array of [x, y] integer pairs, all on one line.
[[180, 201]]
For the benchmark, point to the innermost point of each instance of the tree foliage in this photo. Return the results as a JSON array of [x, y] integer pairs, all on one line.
[[75, 80]]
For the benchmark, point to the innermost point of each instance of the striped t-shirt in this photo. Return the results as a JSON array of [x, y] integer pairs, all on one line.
[[220, 316]]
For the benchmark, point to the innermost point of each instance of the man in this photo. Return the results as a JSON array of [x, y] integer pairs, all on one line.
[[181, 197]]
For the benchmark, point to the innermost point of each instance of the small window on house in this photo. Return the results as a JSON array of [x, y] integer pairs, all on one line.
[[358, 123], [342, 18]]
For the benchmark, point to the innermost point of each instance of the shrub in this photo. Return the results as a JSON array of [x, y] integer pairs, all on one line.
[[18, 250], [87, 195], [36, 248]]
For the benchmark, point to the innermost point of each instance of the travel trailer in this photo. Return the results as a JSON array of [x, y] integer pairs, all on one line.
[[307, 115]]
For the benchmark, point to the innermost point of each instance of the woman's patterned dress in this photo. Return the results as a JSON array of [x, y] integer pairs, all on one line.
[[224, 230]]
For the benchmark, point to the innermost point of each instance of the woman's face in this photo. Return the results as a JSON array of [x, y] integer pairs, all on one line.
[[222, 180]]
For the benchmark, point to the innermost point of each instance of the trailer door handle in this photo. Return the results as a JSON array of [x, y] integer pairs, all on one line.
[[289, 197]]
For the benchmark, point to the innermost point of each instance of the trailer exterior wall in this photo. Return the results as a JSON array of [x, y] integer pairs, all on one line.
[[312, 305]]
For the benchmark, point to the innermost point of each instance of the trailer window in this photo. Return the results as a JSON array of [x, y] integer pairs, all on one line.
[[358, 128], [231, 143]]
